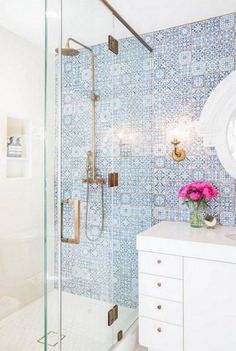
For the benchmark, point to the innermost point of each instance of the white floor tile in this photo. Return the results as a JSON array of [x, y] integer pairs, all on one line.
[[84, 324]]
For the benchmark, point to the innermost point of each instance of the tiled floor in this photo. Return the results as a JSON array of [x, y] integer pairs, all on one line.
[[84, 325]]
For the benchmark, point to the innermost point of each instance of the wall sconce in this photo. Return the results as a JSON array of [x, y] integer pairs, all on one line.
[[179, 153], [176, 135]]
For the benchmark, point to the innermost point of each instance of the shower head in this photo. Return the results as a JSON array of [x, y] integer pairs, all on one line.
[[67, 50]]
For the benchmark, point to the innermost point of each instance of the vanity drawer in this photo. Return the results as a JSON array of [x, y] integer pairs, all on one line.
[[166, 265], [160, 336], [161, 310], [162, 287]]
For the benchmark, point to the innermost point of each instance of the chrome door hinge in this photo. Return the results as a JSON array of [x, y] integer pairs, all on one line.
[[113, 44], [120, 335], [112, 315]]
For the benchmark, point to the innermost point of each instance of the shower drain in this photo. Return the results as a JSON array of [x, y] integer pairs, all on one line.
[[52, 339]]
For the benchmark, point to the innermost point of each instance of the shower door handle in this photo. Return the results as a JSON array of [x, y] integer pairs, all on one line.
[[76, 205]]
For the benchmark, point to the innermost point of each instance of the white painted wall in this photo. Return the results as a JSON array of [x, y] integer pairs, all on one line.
[[90, 21], [21, 200]]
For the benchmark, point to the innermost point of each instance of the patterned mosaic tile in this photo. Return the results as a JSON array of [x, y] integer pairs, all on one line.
[[141, 95]]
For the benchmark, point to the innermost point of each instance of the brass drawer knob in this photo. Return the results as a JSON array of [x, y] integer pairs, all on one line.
[[159, 307], [159, 285], [159, 261], [159, 330]]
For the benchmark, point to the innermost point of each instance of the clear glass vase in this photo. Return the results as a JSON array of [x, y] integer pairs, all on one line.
[[196, 220]]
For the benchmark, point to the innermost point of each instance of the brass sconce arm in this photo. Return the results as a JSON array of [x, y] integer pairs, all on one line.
[[179, 154]]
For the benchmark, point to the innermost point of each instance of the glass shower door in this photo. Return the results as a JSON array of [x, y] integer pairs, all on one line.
[[83, 199], [102, 184], [133, 161], [21, 175]]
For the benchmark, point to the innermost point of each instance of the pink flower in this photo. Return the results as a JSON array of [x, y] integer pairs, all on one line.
[[195, 196], [209, 192], [183, 192], [198, 191]]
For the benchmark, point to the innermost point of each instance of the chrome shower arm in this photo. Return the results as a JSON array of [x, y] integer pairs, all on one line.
[[78, 43]]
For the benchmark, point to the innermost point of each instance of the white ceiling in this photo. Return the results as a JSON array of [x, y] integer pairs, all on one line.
[[90, 22]]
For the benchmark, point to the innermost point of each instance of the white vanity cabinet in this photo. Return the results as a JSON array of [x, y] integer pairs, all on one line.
[[209, 305], [187, 288]]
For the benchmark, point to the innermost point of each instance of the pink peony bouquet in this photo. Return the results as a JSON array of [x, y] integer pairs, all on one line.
[[198, 191], [196, 195]]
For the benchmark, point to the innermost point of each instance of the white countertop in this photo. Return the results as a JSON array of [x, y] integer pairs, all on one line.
[[179, 238]]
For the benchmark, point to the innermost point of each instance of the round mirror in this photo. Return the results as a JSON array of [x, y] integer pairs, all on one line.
[[218, 122]]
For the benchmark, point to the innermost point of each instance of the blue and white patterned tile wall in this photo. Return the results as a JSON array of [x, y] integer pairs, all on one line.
[[142, 95], [189, 62]]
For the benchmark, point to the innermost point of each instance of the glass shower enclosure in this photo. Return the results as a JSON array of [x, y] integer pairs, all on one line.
[[76, 175], [102, 175]]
